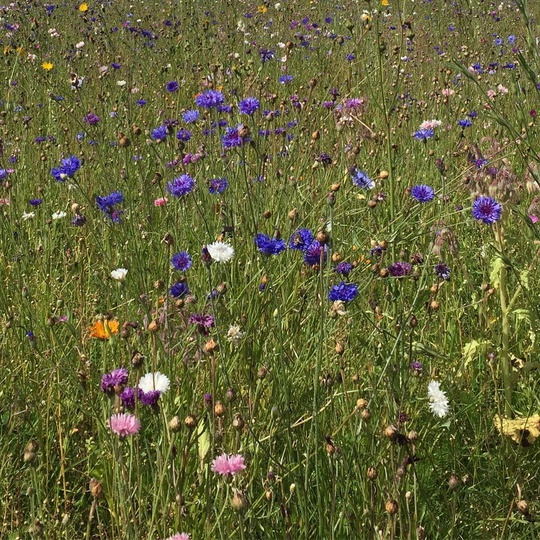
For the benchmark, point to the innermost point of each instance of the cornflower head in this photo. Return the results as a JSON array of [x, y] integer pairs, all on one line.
[[269, 246]]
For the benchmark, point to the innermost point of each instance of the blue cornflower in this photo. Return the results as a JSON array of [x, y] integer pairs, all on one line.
[[301, 239], [171, 86], [269, 246], [344, 292], [312, 254], [210, 99], [183, 135], [284, 79], [232, 137], [511, 39], [343, 268], [181, 186], [465, 123], [361, 179], [107, 203], [422, 193], [191, 116], [218, 186], [159, 133], [116, 65], [350, 57], [423, 134], [141, 102], [249, 105], [181, 261], [487, 210], [266, 54], [179, 289], [35, 202], [68, 168]]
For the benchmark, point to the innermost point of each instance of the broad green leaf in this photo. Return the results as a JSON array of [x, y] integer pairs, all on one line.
[[203, 440]]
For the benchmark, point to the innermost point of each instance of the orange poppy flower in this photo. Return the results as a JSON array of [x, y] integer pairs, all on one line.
[[103, 329]]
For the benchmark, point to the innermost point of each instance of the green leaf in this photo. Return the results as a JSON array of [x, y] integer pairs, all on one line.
[[524, 279], [471, 350], [497, 264], [203, 440]]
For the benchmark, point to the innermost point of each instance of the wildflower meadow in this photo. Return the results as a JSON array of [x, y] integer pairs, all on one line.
[[270, 270]]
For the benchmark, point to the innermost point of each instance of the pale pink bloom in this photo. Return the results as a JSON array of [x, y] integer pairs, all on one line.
[[161, 201], [124, 424], [228, 465], [502, 89], [447, 92], [179, 536], [430, 124], [491, 93], [4, 202]]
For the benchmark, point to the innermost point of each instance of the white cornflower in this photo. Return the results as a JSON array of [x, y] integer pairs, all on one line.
[[28, 215], [235, 335], [438, 400], [154, 381], [119, 274], [59, 215], [220, 251]]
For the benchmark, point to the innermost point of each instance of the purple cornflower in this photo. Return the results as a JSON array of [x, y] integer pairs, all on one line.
[[191, 116], [203, 321], [181, 261], [181, 186], [128, 397], [301, 239], [91, 119], [344, 292], [183, 135], [249, 105], [35, 202], [422, 193], [117, 377], [266, 54], [149, 398], [210, 99], [179, 289], [487, 210], [442, 271], [159, 134], [361, 179], [232, 137], [269, 246], [343, 268], [313, 252], [217, 186], [416, 367], [399, 269], [78, 220], [171, 86]]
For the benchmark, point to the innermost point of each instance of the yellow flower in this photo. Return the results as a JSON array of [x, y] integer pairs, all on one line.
[[384, 2], [262, 9], [83, 7], [47, 66]]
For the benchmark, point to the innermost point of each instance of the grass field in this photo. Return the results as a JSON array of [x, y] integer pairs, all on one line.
[[269, 270]]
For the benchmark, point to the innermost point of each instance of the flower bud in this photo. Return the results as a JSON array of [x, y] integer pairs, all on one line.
[[96, 488], [391, 506]]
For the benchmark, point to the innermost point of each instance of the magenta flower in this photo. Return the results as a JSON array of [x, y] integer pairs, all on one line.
[[124, 424], [228, 465], [179, 536]]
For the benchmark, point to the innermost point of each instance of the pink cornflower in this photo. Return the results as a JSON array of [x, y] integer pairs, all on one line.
[[161, 201], [179, 536], [124, 424], [447, 92], [228, 465]]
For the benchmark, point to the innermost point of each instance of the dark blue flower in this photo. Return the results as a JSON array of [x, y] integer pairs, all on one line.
[[465, 123], [344, 292], [284, 79], [141, 102], [399, 269], [343, 268], [183, 135], [442, 271], [301, 239], [361, 179], [35, 202], [232, 137], [68, 168], [171, 86], [210, 99], [159, 133], [179, 289], [181, 186], [218, 186], [487, 210], [269, 246], [266, 54], [191, 116], [249, 105], [181, 261], [314, 252], [422, 193], [78, 220], [106, 205]]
